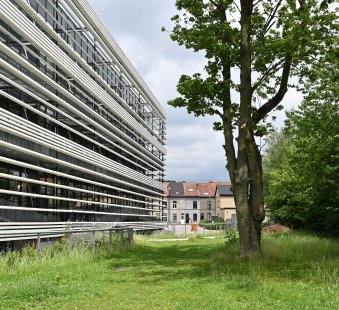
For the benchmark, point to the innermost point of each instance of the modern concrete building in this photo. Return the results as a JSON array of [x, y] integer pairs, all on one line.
[[82, 137]]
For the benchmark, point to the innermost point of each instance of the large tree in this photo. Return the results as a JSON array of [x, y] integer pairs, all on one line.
[[302, 169], [302, 161], [252, 49]]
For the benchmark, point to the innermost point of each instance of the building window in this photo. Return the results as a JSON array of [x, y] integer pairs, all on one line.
[[202, 216], [174, 217], [195, 204], [195, 217], [174, 204]]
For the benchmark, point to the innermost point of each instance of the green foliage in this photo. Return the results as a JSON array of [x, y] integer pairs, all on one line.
[[204, 221], [302, 162], [216, 219], [302, 168], [217, 223], [231, 235], [279, 30]]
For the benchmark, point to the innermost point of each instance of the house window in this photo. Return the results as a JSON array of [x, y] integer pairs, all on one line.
[[195, 204], [174, 204], [202, 216], [195, 217], [174, 217]]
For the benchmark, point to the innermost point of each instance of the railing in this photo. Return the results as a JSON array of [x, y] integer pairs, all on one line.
[[85, 232], [201, 228], [14, 231]]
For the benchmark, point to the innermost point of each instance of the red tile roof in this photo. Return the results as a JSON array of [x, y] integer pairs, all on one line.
[[194, 189], [191, 190]]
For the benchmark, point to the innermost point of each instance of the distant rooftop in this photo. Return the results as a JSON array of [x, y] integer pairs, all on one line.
[[193, 189], [224, 190]]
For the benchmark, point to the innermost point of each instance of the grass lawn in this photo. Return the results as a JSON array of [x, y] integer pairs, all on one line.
[[295, 272]]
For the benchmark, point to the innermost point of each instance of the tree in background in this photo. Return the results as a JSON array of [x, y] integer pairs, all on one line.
[[252, 49], [302, 161]]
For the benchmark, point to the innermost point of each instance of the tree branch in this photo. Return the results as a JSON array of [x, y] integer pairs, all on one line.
[[216, 111], [269, 20], [236, 6], [258, 115], [226, 115], [256, 3], [270, 70], [215, 4]]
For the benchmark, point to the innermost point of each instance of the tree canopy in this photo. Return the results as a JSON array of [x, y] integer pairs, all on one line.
[[302, 161], [252, 49]]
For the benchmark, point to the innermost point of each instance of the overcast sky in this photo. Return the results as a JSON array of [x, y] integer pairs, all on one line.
[[195, 151]]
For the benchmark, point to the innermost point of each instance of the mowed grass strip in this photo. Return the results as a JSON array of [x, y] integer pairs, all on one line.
[[295, 271]]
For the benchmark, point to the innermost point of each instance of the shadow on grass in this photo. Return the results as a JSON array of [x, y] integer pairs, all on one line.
[[284, 256]]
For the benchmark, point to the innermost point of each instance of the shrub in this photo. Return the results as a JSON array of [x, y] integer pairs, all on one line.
[[231, 235]]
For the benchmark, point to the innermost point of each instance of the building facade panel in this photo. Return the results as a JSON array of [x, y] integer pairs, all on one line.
[[82, 137]]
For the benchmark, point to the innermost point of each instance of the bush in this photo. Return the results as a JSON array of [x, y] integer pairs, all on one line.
[[214, 225], [231, 235]]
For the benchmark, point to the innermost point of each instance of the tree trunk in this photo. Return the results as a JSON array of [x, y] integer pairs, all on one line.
[[248, 223], [245, 170], [247, 181], [249, 237]]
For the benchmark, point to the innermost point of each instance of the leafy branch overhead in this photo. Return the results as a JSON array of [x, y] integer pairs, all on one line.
[[285, 38]]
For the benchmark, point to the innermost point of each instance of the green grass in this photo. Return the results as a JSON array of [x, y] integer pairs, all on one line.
[[295, 271]]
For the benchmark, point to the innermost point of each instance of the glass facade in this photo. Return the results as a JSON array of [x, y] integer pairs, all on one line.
[[82, 138]]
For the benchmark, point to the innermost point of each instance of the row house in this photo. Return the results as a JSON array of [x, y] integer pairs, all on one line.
[[191, 202]]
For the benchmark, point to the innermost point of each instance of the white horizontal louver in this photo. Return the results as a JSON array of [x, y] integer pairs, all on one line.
[[63, 163], [80, 201], [93, 20], [131, 144], [60, 112], [77, 189], [12, 15], [80, 60], [27, 130], [75, 178], [73, 211]]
